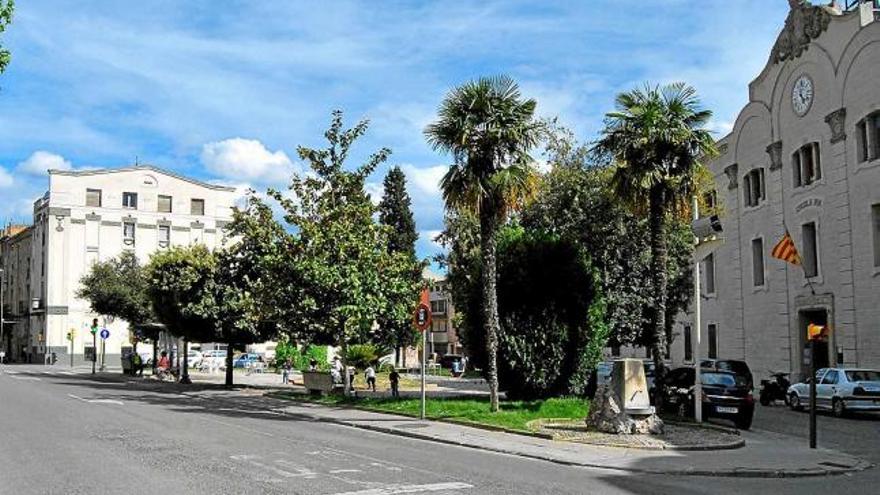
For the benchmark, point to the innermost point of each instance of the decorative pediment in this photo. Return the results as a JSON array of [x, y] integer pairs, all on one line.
[[836, 121], [805, 23], [731, 171], [775, 152]]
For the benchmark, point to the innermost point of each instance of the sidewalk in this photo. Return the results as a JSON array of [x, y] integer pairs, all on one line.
[[765, 455]]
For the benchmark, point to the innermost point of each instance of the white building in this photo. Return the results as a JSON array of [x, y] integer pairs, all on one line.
[[94, 215]]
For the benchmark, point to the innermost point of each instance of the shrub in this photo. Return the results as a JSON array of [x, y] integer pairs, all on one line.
[[361, 355]]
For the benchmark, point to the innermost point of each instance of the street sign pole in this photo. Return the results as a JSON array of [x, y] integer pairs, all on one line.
[[424, 364], [698, 381], [94, 331], [813, 394]]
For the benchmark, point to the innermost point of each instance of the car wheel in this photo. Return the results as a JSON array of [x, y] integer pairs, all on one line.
[[794, 402], [743, 422], [838, 408]]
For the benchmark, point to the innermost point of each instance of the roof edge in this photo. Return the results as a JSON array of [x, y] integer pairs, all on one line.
[[132, 168]]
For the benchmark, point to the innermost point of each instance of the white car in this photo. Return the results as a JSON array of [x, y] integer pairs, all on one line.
[[839, 390], [213, 359], [193, 358]]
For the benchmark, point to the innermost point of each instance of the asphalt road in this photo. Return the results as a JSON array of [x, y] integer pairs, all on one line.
[[64, 433]]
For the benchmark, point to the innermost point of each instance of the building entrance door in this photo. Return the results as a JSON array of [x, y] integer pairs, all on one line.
[[823, 356]]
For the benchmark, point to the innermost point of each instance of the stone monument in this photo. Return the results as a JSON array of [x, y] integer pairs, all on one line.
[[623, 406]]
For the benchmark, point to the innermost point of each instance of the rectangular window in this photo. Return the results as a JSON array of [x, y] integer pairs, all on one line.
[[713, 341], [709, 277], [753, 187], [164, 236], [807, 165], [875, 220], [197, 207], [710, 199], [93, 197], [810, 254], [128, 234], [164, 204], [758, 262], [874, 135], [862, 141], [688, 344], [129, 200]]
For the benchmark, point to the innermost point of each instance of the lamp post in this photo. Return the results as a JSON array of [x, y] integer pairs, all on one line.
[[706, 241]]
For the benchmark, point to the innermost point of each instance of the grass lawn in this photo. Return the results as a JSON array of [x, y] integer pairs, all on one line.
[[513, 415]]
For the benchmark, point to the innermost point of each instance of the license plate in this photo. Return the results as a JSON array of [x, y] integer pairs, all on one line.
[[727, 410]]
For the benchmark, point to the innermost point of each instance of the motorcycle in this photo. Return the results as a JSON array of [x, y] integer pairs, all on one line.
[[776, 388]]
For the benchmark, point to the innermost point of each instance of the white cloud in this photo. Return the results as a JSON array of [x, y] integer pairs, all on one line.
[[375, 190], [430, 236], [425, 181], [246, 159], [5, 178], [41, 161]]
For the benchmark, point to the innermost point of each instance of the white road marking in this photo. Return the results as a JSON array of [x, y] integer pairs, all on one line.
[[46, 372], [340, 471], [96, 401], [300, 470], [250, 460], [69, 373], [8, 372], [33, 378], [400, 489]]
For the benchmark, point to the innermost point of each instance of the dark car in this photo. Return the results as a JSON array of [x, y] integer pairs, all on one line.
[[446, 360], [726, 395], [731, 365]]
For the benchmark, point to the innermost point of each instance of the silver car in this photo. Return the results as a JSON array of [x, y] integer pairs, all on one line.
[[839, 390]]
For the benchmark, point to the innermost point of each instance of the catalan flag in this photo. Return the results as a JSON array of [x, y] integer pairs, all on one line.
[[786, 251]]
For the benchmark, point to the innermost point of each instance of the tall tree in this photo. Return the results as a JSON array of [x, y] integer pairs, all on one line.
[[395, 213], [118, 288], [349, 279], [7, 8], [656, 138], [489, 130]]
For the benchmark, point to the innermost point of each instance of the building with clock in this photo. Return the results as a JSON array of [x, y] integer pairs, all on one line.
[[803, 157]]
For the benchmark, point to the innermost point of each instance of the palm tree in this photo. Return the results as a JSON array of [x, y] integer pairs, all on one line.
[[656, 138], [488, 128]]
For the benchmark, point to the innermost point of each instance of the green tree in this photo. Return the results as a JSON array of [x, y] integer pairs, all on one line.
[[395, 212], [348, 278], [7, 8], [656, 138], [118, 288], [489, 129]]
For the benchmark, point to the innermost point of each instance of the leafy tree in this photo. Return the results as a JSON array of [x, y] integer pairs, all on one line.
[[205, 296], [489, 129], [347, 278], [395, 212], [362, 355], [7, 8], [118, 288], [656, 138]]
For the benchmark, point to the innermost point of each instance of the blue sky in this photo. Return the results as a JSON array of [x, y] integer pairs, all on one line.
[[225, 91]]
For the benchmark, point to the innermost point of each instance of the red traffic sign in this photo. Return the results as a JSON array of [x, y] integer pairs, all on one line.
[[423, 317]]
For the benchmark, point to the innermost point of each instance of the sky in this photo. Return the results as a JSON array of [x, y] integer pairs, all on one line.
[[226, 91]]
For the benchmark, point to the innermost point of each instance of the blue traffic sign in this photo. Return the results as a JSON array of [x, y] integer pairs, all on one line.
[[105, 333]]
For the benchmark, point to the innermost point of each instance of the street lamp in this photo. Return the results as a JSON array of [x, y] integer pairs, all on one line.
[[706, 241]]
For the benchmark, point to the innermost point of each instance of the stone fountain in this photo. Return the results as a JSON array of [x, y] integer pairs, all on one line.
[[623, 406]]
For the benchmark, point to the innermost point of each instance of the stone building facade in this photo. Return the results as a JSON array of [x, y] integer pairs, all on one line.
[[15, 280], [93, 215], [803, 157]]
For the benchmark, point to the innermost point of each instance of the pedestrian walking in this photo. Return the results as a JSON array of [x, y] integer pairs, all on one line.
[[370, 373], [137, 365], [285, 371], [394, 378]]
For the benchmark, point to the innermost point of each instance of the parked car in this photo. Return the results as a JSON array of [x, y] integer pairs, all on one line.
[[839, 390], [731, 365], [212, 359], [725, 395], [244, 359], [193, 358]]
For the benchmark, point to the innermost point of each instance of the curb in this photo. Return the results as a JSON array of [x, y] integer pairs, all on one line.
[[720, 473]]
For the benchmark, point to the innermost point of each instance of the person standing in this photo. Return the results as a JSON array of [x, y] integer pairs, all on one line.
[[394, 378], [370, 373], [285, 371]]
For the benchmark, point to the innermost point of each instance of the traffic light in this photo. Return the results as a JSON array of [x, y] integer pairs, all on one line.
[[816, 332], [94, 328]]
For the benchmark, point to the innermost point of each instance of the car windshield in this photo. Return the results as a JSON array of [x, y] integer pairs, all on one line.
[[863, 376], [722, 379]]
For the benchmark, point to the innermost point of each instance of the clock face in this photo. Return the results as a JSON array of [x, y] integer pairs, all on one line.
[[802, 95]]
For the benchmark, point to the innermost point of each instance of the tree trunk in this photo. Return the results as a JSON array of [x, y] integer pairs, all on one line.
[[155, 354], [228, 365], [488, 245], [657, 226], [184, 375], [343, 347]]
